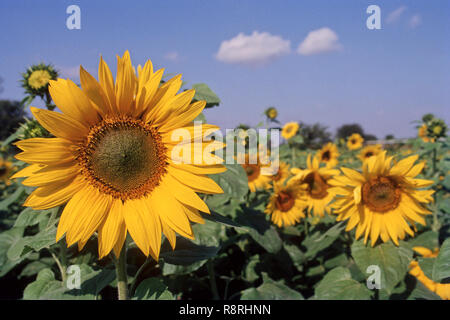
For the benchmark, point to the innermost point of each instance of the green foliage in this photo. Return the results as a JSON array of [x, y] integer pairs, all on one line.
[[11, 115]]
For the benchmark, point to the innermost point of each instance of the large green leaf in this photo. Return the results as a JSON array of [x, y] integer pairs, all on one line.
[[428, 239], [339, 285], [261, 230], [393, 261], [441, 268], [319, 240], [10, 199], [421, 292], [203, 92], [233, 182], [271, 290], [152, 289]]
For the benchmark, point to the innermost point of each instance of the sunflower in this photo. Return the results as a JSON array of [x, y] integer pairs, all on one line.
[[256, 179], [369, 151], [6, 168], [281, 174], [37, 78], [286, 205], [422, 132], [328, 154], [289, 130], [355, 141], [111, 159], [314, 181], [271, 113], [383, 199], [441, 289]]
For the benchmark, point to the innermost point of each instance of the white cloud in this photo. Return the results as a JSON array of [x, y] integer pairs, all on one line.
[[172, 56], [415, 21], [319, 41], [395, 15], [255, 49]]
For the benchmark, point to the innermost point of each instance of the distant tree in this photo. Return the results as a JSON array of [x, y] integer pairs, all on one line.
[[368, 137], [348, 129], [315, 135], [389, 137], [11, 114]]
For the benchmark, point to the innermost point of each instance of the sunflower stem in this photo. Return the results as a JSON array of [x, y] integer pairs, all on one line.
[[293, 155], [121, 273], [212, 280]]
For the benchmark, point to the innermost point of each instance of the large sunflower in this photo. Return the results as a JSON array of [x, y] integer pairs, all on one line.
[[256, 179], [355, 141], [111, 159], [314, 181], [369, 151], [383, 199], [441, 289], [286, 205], [328, 154]]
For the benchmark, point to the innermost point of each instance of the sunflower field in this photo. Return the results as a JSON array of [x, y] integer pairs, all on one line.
[[94, 206]]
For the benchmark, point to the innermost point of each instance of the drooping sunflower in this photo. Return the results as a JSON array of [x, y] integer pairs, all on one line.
[[369, 151], [289, 130], [286, 205], [6, 168], [382, 200], [314, 181], [256, 179], [281, 174], [441, 289], [355, 141], [112, 159], [328, 154]]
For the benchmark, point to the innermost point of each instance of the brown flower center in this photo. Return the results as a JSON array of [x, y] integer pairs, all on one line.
[[369, 154], [252, 170], [326, 156], [285, 201], [317, 187], [381, 194], [123, 157]]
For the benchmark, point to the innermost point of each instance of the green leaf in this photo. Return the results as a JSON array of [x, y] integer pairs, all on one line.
[[428, 239], [250, 273], [393, 261], [427, 264], [319, 240], [296, 255], [339, 285], [152, 289], [233, 182], [44, 286], [7, 239], [271, 290], [34, 267], [187, 252], [441, 269], [12, 198], [421, 292], [203, 92], [30, 217], [256, 225]]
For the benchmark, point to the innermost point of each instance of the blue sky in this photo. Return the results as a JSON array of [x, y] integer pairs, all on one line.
[[383, 79]]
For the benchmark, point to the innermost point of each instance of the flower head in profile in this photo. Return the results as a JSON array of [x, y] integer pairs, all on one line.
[[328, 154], [385, 200], [111, 159], [289, 130], [441, 289], [422, 132], [355, 141], [281, 174], [314, 182], [369, 151], [286, 205]]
